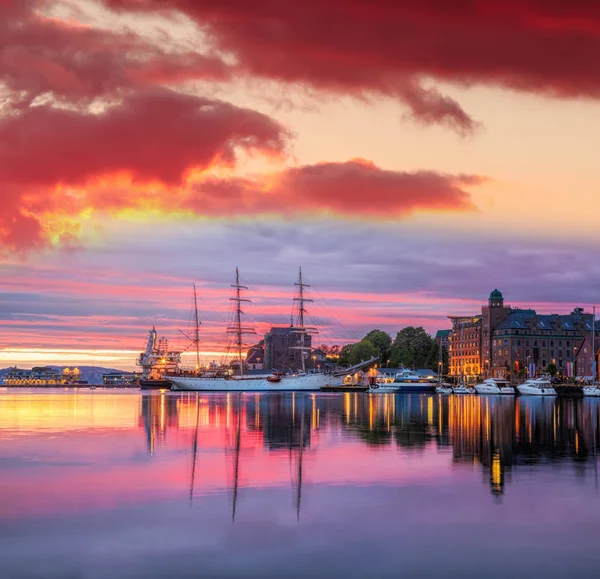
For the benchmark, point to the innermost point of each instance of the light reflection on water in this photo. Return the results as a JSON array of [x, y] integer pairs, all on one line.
[[110, 483]]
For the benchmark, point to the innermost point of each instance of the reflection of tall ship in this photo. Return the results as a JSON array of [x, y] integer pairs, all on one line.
[[300, 380], [157, 361]]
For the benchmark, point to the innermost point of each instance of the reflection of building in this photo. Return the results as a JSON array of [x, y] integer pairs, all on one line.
[[286, 420], [505, 341], [120, 379], [158, 413]]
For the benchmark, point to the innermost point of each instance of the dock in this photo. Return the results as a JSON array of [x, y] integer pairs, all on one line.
[[345, 388]]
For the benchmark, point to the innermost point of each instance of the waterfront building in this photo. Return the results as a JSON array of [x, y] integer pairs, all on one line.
[[43, 376], [255, 360], [284, 347], [505, 342], [442, 337], [584, 359], [120, 379]]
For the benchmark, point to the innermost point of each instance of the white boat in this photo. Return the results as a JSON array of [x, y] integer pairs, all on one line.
[[383, 388], [462, 389], [443, 388], [537, 387], [409, 381], [494, 386], [255, 383], [591, 390]]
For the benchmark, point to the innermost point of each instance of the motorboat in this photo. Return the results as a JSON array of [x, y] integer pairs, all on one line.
[[537, 387], [591, 390], [383, 388], [494, 386], [409, 381], [463, 389], [443, 388]]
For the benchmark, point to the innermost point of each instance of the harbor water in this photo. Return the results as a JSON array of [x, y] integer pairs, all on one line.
[[129, 484]]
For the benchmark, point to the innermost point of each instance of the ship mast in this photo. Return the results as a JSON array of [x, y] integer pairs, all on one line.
[[593, 346], [300, 328], [238, 329], [197, 340]]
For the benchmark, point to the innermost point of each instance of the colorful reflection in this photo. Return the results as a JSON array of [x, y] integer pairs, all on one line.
[[72, 449]]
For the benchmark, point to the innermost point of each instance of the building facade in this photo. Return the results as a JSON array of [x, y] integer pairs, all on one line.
[[282, 349], [505, 342]]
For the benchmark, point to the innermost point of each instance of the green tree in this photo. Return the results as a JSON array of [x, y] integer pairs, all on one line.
[[412, 348], [344, 355], [383, 342], [551, 369], [363, 350]]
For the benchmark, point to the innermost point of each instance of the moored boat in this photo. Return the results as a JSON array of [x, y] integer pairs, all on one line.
[[463, 389], [494, 386], [443, 388], [409, 381], [537, 387]]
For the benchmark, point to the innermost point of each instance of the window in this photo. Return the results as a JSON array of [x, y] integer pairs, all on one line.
[[518, 342], [551, 343], [552, 353], [560, 353], [506, 342], [543, 343]]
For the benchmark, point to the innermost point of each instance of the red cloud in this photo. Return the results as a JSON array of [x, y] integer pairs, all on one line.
[[356, 188], [150, 137], [388, 46], [40, 55]]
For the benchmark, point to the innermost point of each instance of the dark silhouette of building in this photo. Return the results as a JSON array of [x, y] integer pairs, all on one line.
[[283, 349]]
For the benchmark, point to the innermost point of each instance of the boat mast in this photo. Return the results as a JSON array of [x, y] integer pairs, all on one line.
[[238, 329], [593, 345], [197, 340], [300, 328]]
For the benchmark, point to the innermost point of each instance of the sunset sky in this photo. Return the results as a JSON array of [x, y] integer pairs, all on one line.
[[410, 156]]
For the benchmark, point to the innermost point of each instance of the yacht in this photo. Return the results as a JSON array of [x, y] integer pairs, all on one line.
[[409, 381], [537, 387], [463, 389], [591, 390], [494, 386], [443, 388]]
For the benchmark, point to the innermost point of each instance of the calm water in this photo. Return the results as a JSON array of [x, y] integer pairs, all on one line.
[[110, 483]]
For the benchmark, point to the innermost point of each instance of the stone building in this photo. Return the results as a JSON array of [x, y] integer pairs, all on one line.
[[282, 349], [506, 342]]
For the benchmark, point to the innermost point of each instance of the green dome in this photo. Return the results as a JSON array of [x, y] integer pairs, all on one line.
[[496, 295]]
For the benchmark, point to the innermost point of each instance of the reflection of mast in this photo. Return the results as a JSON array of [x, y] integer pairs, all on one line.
[[299, 492], [195, 449], [238, 440]]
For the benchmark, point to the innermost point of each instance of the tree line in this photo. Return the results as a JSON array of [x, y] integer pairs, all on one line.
[[412, 347]]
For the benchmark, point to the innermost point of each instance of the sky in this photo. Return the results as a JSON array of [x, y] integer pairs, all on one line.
[[411, 157]]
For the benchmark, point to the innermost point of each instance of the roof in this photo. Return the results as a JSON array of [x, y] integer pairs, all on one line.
[[522, 319], [443, 333], [496, 295], [280, 330], [257, 356]]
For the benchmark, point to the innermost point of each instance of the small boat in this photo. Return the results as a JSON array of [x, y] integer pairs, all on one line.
[[537, 387], [462, 389], [383, 388], [443, 388], [592, 390], [494, 386], [275, 377]]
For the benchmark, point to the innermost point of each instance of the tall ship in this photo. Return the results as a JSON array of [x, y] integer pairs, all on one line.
[[278, 381], [157, 362]]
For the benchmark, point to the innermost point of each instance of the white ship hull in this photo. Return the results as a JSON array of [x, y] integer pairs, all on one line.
[[591, 391], [310, 382], [536, 391], [491, 389]]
